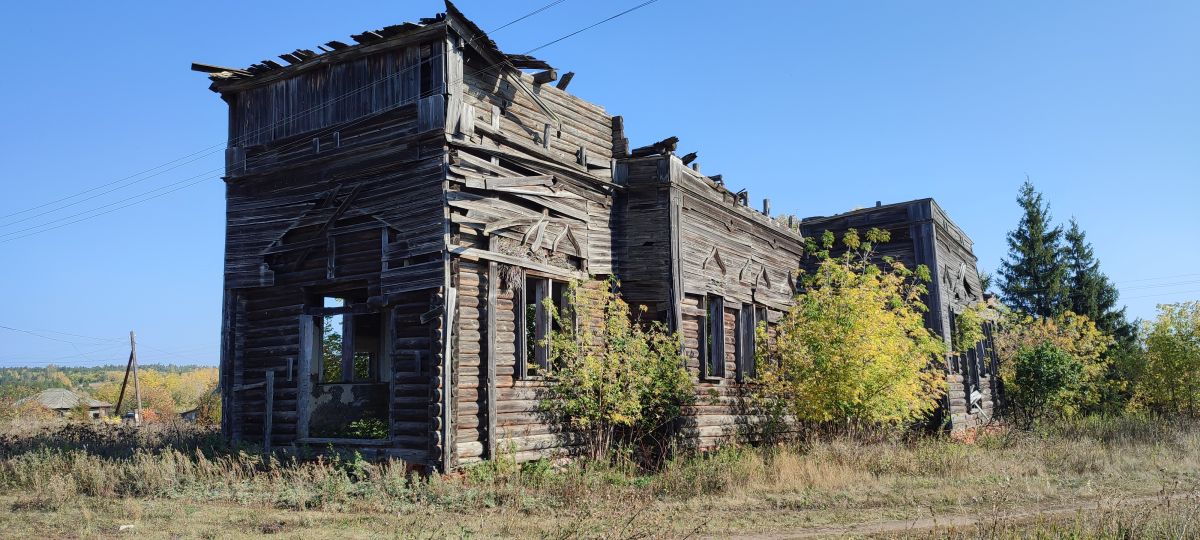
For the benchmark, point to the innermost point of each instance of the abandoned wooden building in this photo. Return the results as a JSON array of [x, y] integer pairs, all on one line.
[[399, 208]]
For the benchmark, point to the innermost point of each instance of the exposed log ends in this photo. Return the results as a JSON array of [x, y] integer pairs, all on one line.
[[544, 77]]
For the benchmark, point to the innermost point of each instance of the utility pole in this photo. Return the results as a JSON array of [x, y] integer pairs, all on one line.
[[137, 387], [124, 383]]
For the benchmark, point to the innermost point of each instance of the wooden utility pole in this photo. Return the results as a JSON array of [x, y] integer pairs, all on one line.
[[137, 387], [124, 383]]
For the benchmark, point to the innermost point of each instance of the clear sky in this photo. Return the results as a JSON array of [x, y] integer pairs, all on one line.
[[823, 106]]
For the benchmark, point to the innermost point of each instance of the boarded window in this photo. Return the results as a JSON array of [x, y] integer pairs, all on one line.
[[712, 338], [744, 342]]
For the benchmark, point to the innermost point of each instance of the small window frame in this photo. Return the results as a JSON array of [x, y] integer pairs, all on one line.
[[712, 339], [349, 312], [539, 287]]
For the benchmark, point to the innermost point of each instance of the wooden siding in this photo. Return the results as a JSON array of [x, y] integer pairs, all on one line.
[[520, 203], [335, 93]]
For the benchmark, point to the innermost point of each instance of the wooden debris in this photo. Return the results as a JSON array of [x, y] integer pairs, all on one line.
[[665, 146], [565, 80]]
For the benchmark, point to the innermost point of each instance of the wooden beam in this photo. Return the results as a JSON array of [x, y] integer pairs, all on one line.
[[268, 412], [565, 80], [550, 75], [490, 375], [519, 181], [525, 61], [209, 68], [476, 254]]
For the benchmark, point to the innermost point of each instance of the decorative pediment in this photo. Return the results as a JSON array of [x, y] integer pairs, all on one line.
[[764, 280], [745, 273], [714, 259]]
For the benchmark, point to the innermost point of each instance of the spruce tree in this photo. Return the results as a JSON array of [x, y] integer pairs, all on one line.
[[1033, 277], [1091, 293]]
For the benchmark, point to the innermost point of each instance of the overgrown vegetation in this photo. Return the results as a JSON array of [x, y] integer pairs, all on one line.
[[1078, 353], [1082, 347], [854, 347], [622, 385], [1169, 378], [85, 480]]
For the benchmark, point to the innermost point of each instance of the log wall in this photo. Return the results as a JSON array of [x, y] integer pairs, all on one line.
[[348, 201]]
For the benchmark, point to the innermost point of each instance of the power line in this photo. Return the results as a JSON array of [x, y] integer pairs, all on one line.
[[1157, 278], [207, 151], [32, 333], [41, 227], [117, 343]]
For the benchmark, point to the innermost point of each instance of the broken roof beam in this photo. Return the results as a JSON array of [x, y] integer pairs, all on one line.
[[565, 80], [209, 68], [366, 37], [690, 157], [664, 146], [550, 75], [524, 61], [396, 29]]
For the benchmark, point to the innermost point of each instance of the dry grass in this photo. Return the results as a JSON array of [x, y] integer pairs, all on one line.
[[86, 481]]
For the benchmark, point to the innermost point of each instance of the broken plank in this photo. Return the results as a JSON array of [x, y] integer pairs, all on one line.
[[516, 181]]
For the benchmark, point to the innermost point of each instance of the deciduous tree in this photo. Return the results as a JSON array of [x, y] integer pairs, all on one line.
[[854, 347], [1170, 378]]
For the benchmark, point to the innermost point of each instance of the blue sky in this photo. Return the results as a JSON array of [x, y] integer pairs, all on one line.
[[822, 106]]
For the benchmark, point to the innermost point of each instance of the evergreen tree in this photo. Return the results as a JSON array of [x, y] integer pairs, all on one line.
[[1090, 291], [1033, 277]]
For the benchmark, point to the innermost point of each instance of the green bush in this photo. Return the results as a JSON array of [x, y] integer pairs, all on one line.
[[1043, 378]]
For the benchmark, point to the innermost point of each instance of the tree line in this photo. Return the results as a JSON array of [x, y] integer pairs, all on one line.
[[1069, 349]]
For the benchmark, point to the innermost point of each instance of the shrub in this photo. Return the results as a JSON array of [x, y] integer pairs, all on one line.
[[854, 346], [1074, 335], [1044, 380], [621, 383]]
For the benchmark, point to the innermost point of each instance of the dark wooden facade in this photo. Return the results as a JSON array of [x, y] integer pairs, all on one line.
[[418, 194]]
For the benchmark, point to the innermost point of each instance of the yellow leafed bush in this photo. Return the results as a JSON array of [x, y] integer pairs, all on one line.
[[854, 347]]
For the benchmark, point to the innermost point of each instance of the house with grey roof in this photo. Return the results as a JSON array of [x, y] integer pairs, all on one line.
[[63, 401]]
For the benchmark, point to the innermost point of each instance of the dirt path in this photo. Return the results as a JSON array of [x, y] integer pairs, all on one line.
[[956, 520]]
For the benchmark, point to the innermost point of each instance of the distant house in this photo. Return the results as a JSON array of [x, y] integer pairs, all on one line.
[[63, 401]]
